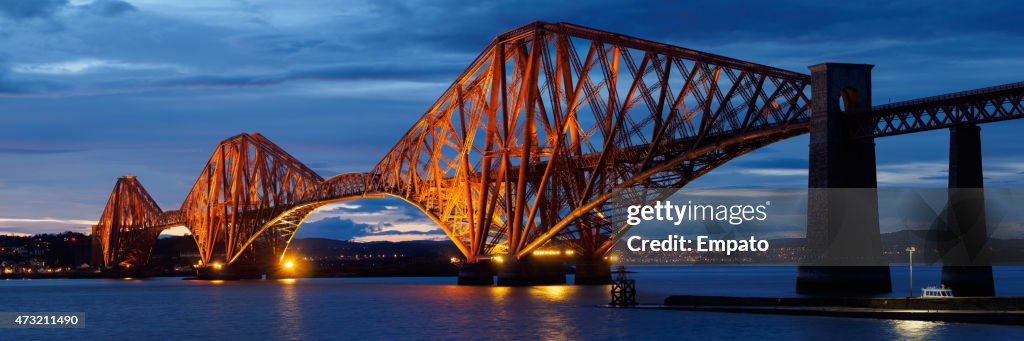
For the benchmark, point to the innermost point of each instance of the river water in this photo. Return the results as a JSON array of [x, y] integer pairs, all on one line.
[[435, 308]]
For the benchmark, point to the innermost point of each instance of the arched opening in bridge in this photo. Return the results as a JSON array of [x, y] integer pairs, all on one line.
[[354, 235], [168, 250], [175, 250], [370, 220], [848, 100]]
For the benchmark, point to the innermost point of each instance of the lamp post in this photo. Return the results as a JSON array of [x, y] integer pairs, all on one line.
[[910, 251]]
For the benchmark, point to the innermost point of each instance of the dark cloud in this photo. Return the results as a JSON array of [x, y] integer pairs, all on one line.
[[334, 228], [26, 9], [388, 72], [382, 230], [399, 210], [786, 162], [294, 46], [458, 26], [372, 205], [110, 8], [35, 151], [10, 86], [347, 229]]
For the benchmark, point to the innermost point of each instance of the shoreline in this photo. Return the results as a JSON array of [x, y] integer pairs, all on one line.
[[1006, 310], [192, 276]]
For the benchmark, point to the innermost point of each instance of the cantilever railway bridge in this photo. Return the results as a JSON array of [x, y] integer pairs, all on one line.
[[549, 130]]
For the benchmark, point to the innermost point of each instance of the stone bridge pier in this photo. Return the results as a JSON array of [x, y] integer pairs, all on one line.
[[843, 254], [966, 258]]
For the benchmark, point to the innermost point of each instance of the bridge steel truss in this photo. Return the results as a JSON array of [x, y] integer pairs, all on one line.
[[534, 139], [992, 104], [127, 219], [544, 139]]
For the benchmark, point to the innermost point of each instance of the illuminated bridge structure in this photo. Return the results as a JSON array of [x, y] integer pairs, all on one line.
[[539, 143]]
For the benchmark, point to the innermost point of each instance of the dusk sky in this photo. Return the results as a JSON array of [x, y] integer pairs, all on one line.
[[92, 90]]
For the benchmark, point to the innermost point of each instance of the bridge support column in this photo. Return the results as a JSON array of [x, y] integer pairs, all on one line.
[[531, 271], [593, 271], [843, 254], [966, 258], [479, 273]]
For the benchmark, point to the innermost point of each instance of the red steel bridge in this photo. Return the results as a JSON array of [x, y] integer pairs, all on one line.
[[537, 142]]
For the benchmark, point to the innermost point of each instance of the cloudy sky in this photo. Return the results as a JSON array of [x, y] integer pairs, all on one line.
[[94, 89]]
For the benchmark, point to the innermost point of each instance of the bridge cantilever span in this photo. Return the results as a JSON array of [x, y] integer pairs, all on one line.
[[527, 144], [538, 142]]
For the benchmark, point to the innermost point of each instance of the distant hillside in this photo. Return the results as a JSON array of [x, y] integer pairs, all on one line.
[[333, 247], [1004, 251]]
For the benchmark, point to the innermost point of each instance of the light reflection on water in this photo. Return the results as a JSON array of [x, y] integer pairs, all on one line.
[[914, 330], [432, 308], [290, 310], [557, 293]]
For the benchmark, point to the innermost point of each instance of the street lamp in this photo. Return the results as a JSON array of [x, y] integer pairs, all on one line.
[[910, 251]]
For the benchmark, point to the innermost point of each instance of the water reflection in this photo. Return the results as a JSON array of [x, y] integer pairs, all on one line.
[[914, 330], [557, 293], [499, 293], [551, 322], [289, 309]]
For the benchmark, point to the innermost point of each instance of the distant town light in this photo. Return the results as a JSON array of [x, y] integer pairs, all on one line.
[[217, 265], [289, 264]]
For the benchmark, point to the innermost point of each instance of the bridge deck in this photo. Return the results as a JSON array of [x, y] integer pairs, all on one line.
[[984, 105]]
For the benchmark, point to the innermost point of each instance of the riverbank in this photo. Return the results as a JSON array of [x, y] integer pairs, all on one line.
[[78, 275], [192, 275], [989, 310]]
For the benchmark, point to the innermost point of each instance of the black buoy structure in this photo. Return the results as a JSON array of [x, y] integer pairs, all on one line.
[[623, 289]]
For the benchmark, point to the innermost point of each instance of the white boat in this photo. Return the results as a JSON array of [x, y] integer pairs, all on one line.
[[936, 292]]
